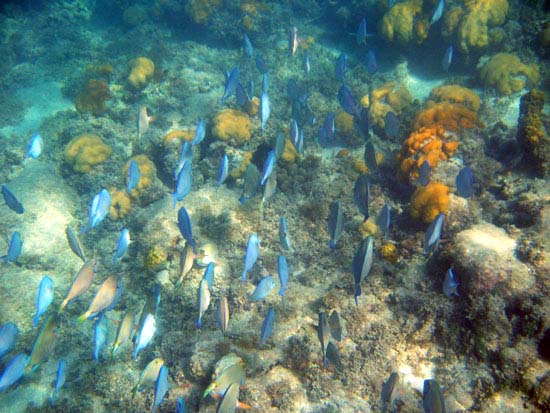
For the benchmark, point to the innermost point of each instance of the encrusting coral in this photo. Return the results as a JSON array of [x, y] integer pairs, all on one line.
[[398, 24], [456, 94], [430, 200], [92, 98], [508, 74], [451, 116], [86, 151], [120, 204], [390, 97], [142, 70], [233, 126]]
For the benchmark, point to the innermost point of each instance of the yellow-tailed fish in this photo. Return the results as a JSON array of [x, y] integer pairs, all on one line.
[[44, 343], [187, 258], [103, 299], [228, 403], [240, 405], [81, 283], [124, 332], [232, 374], [149, 375], [223, 314]]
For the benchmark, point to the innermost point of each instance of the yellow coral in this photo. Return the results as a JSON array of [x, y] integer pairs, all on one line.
[[508, 74], [290, 153], [398, 22], [360, 166], [147, 173], [232, 125], [200, 10], [474, 31], [367, 228], [390, 97], [86, 151], [142, 70], [240, 170], [451, 116], [253, 106], [180, 135], [120, 204], [156, 256], [343, 122], [456, 94], [430, 200], [365, 101], [389, 253]]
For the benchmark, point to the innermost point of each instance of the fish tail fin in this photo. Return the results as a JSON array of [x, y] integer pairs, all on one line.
[[242, 199], [62, 306], [243, 276], [83, 317], [175, 200], [325, 362], [243, 406], [199, 323], [208, 390], [357, 293], [332, 244], [35, 321]]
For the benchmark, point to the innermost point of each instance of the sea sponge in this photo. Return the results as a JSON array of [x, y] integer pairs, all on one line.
[[390, 97], [120, 204], [508, 74], [456, 94], [200, 10], [531, 133], [449, 115], [180, 135], [398, 22], [142, 70], [147, 173], [86, 151], [367, 228], [156, 257], [389, 253], [233, 126], [475, 27], [426, 144], [430, 200], [343, 122], [289, 153], [92, 98]]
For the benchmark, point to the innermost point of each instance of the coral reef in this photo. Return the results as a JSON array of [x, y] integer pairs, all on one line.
[[430, 200], [120, 204], [141, 72], [456, 94], [92, 98], [390, 97], [343, 122], [290, 153], [147, 174], [426, 144], [238, 172], [367, 228], [233, 126], [389, 253], [532, 135], [156, 256], [200, 10], [86, 151], [450, 116], [398, 23], [507, 73], [180, 135]]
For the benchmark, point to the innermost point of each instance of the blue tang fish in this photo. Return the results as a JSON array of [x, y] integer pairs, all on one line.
[[247, 45], [433, 233], [391, 125], [35, 147], [341, 67], [362, 264], [424, 173], [362, 123], [432, 398], [99, 208], [306, 65], [209, 274], [251, 255], [261, 65], [121, 245], [438, 12], [267, 326], [372, 64], [347, 101], [361, 35], [145, 334], [370, 157], [14, 371], [200, 132], [11, 201], [183, 185], [231, 81], [265, 109], [222, 171], [132, 178], [282, 271], [186, 228], [283, 234], [384, 219], [8, 337], [361, 195], [161, 387], [14, 248], [335, 223], [100, 335], [44, 298], [181, 406], [269, 164], [465, 182], [447, 58], [60, 377], [449, 283], [186, 155], [265, 83], [250, 183], [242, 95], [263, 288]]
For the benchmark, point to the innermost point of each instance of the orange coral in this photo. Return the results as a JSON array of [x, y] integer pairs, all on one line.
[[142, 70], [430, 200], [456, 94], [120, 204], [147, 173], [180, 135], [232, 125], [426, 144], [92, 98], [449, 115], [86, 151]]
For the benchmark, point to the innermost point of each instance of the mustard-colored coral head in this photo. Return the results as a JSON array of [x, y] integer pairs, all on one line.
[[147, 173], [120, 204], [86, 151], [233, 126], [508, 74], [398, 23], [430, 200], [142, 70]]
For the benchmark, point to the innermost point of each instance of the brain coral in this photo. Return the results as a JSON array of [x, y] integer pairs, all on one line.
[[232, 125], [475, 27], [86, 151], [142, 70], [430, 200], [449, 115], [398, 22], [456, 94], [508, 74]]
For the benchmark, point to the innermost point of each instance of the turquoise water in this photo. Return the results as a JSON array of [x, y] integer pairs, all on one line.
[[104, 83]]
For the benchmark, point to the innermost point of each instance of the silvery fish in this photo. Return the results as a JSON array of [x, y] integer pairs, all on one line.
[[251, 255], [35, 147], [270, 187], [11, 201], [361, 195], [203, 300], [231, 81], [186, 155], [432, 399], [267, 326], [265, 109], [99, 208], [121, 245], [384, 219], [306, 64], [449, 283], [100, 335], [222, 171], [433, 233], [149, 375], [187, 259], [145, 334], [447, 58], [265, 83], [183, 185], [282, 271], [142, 121], [223, 314], [161, 387], [13, 371], [335, 224], [323, 332], [44, 298], [294, 133], [132, 177], [60, 377], [269, 165], [362, 264], [74, 244], [8, 337], [283, 234], [200, 132], [228, 403], [263, 289], [247, 45], [438, 12], [293, 41], [14, 248]]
